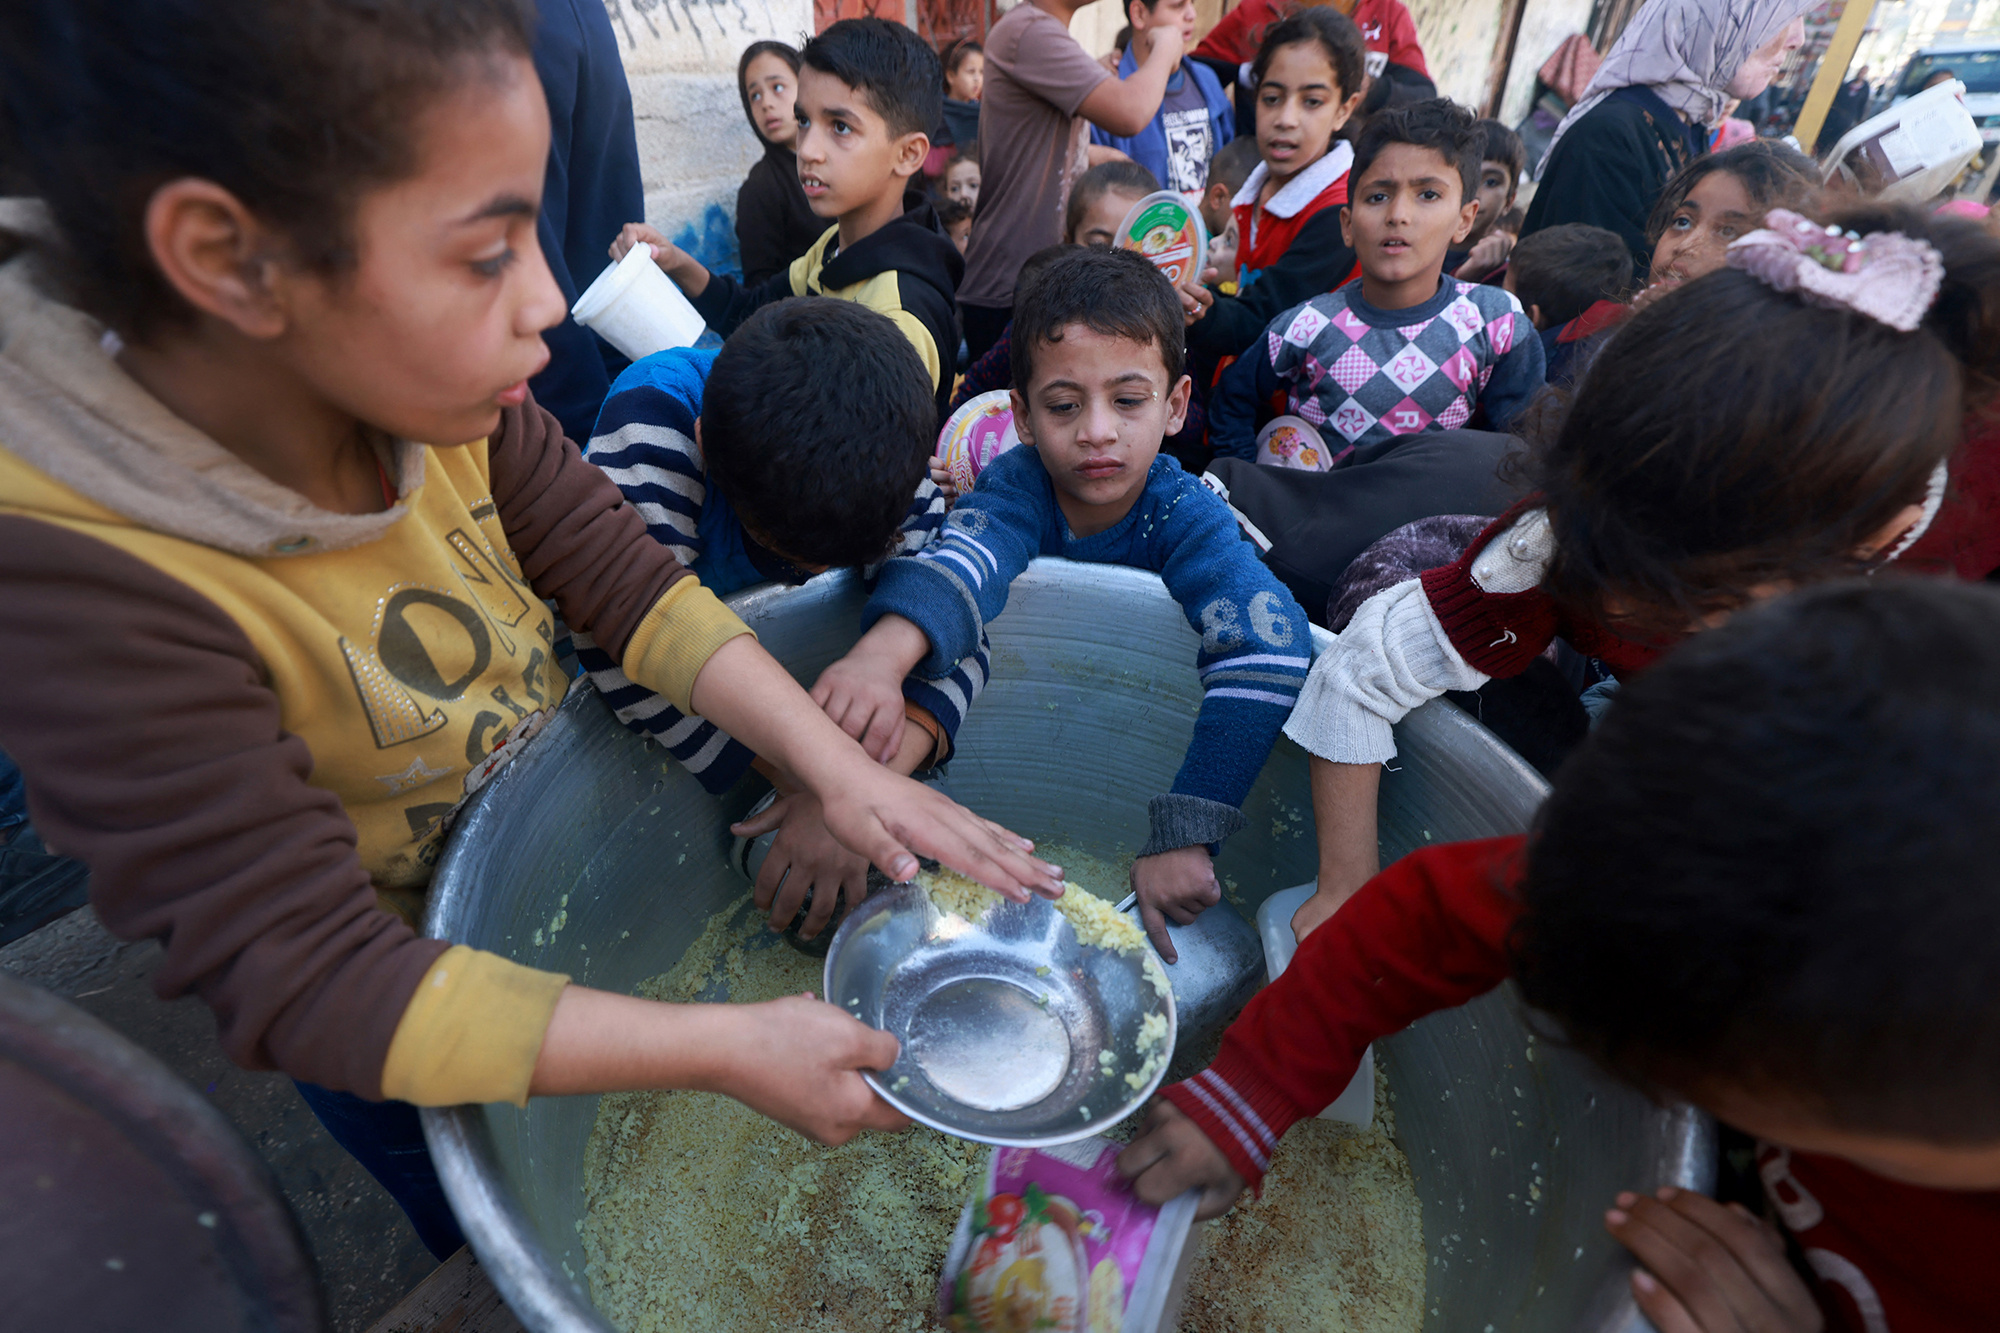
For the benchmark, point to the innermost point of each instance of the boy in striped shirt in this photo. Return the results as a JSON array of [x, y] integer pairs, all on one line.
[[1098, 383], [799, 447]]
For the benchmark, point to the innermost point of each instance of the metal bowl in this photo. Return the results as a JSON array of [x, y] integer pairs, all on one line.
[[1091, 705], [1013, 1031]]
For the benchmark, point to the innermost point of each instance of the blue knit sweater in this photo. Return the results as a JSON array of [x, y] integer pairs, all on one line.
[[645, 443], [1255, 643]]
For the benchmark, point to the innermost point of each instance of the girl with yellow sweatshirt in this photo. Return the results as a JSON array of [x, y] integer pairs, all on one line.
[[278, 517]]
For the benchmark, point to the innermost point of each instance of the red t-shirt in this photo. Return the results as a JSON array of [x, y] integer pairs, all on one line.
[[1429, 933], [1387, 31]]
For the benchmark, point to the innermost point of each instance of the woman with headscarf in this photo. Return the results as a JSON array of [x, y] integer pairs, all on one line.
[[1649, 110], [774, 223]]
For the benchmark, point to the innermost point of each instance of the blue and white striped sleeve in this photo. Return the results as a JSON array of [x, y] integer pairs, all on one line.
[[646, 445], [1256, 648], [949, 696]]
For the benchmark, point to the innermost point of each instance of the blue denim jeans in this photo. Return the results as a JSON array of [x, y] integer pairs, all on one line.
[[388, 1139]]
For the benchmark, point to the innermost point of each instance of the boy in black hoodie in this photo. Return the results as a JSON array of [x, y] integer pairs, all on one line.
[[869, 94]]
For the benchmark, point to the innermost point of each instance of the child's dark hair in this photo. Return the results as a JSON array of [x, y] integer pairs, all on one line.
[[1731, 437], [296, 107], [1512, 220], [1436, 123], [957, 53], [1127, 177], [893, 67], [1567, 269], [1032, 266], [779, 49], [816, 422], [1771, 173], [1233, 162], [1502, 146], [951, 212], [1332, 31], [1772, 869], [1112, 292]]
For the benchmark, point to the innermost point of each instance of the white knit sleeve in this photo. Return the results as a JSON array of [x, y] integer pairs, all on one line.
[[1391, 657]]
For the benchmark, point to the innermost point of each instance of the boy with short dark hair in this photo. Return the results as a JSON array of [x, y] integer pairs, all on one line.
[[799, 447], [1767, 885], [1483, 253], [1098, 383], [1227, 170], [1574, 281], [1405, 349], [1194, 119], [870, 93]]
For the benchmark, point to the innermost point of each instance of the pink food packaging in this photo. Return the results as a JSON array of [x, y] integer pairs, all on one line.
[[1055, 1239], [980, 431]]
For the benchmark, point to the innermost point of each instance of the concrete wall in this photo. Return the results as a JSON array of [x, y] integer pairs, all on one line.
[[1544, 25], [694, 144], [1458, 37]]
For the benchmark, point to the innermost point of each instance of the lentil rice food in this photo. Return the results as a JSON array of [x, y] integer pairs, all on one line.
[[703, 1216]]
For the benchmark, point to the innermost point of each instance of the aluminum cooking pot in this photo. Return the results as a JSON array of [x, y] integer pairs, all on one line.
[[1090, 707]]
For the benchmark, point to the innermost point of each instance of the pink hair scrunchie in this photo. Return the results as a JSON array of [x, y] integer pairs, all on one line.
[[1886, 276]]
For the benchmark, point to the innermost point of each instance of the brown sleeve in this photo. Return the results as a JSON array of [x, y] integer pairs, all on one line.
[[153, 752], [579, 543]]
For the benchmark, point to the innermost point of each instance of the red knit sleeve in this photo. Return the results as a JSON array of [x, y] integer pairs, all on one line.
[[1426, 934], [1498, 633]]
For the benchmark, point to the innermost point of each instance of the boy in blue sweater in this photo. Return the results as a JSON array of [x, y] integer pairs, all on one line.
[[799, 447], [1405, 349], [1098, 383]]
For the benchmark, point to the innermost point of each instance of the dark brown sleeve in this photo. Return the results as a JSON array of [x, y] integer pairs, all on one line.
[[153, 751], [579, 543]]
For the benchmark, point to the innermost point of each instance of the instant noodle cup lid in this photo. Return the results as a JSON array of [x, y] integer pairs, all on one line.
[[1167, 230], [977, 433]]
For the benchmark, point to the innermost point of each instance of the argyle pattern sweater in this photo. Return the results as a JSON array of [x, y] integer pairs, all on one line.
[[1364, 375]]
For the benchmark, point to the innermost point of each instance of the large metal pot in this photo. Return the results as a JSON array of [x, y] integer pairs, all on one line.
[[1091, 705]]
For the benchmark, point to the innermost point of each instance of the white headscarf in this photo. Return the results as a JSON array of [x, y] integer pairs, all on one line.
[[1686, 51]]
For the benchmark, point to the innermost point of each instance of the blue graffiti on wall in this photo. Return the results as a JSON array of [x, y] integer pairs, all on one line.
[[714, 245]]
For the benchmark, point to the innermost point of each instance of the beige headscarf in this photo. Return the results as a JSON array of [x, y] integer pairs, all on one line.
[[1686, 51]]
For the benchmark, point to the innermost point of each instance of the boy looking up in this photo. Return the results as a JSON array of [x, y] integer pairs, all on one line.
[[1767, 885], [870, 92], [1043, 92], [1484, 250], [797, 448], [1098, 383], [1405, 349], [1194, 119]]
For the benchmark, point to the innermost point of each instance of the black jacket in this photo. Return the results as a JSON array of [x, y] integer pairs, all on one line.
[[1609, 167], [774, 222]]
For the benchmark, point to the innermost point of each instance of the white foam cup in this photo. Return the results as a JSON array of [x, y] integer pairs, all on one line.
[[1356, 1103], [637, 308]]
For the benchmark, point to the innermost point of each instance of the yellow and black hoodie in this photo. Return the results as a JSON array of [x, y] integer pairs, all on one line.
[[907, 270], [251, 717]]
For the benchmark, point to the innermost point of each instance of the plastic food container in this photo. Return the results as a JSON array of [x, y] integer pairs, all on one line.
[[1056, 1240], [1912, 150], [1356, 1103], [637, 309], [979, 432], [1164, 229]]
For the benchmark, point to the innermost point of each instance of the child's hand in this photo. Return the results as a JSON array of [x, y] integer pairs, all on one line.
[[863, 691], [873, 804], [1195, 299], [1483, 258], [1172, 1156], [803, 856], [1707, 1268], [941, 478], [1334, 889], [796, 1063], [638, 233], [1179, 884]]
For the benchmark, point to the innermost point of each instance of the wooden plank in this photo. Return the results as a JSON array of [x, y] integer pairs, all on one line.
[[456, 1298], [1503, 56]]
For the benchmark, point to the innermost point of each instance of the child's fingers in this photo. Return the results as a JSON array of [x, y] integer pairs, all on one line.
[[1663, 1308], [884, 733], [764, 820], [1156, 930], [1697, 1266], [1759, 1254]]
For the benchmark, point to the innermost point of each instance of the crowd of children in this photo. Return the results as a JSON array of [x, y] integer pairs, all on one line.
[[263, 393]]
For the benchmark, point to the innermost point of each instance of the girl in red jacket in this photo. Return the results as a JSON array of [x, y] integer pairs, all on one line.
[[1766, 885], [1780, 421]]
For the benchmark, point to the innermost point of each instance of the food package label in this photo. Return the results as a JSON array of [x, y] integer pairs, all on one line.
[[1168, 233], [1056, 1241], [979, 432]]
